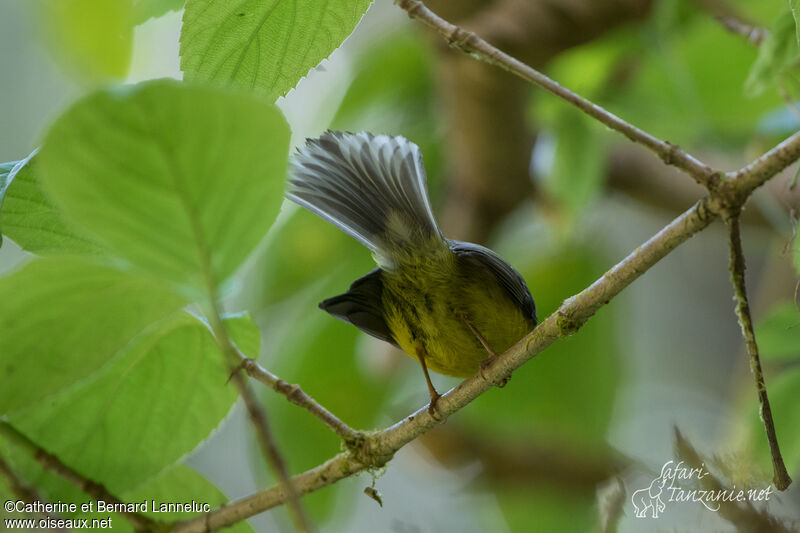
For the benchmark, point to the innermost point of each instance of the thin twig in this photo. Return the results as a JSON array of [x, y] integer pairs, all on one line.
[[25, 492], [53, 464], [733, 20], [297, 396], [781, 477], [21, 490], [754, 34], [259, 420], [747, 179], [471, 44]]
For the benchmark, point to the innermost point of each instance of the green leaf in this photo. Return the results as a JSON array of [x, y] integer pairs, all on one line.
[[94, 38], [5, 180], [578, 168], [144, 10], [794, 5], [153, 404], [29, 218], [265, 45], [181, 181], [63, 319], [778, 53], [778, 335], [178, 483], [8, 172]]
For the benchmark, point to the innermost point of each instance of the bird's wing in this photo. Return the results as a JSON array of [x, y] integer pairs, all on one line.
[[361, 306], [509, 279]]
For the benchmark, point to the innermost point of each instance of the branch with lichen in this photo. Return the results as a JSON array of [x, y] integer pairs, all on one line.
[[781, 477]]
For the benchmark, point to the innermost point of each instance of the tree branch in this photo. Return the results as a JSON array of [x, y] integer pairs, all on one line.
[[473, 45], [297, 396], [53, 464], [733, 20], [781, 477], [259, 420], [22, 491]]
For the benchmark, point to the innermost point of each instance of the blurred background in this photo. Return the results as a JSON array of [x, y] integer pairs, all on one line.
[[593, 418]]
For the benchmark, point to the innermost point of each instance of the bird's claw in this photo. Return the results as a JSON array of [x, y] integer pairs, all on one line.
[[485, 364], [432, 408]]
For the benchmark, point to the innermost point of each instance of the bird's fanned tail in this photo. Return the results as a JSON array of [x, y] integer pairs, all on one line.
[[373, 187]]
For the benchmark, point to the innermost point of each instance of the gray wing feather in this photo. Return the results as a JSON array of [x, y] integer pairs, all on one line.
[[509, 279]]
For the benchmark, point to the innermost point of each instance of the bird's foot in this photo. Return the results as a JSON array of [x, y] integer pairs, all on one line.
[[432, 410], [485, 364]]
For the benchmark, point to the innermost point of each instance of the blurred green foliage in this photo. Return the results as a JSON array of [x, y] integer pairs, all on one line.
[[777, 55], [779, 333], [93, 38]]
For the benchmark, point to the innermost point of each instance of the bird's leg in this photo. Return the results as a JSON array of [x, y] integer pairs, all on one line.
[[488, 361], [431, 389]]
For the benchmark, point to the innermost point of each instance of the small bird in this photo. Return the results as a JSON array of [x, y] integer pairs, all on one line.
[[451, 305]]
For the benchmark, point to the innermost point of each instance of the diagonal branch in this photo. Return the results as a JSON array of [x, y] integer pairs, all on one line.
[[259, 420], [473, 45], [781, 477], [298, 396], [24, 492], [53, 464]]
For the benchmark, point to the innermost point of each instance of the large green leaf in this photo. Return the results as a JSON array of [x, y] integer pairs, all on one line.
[[7, 173], [29, 218], [62, 319], [178, 483], [93, 38], [181, 181], [6, 176], [778, 334], [266, 45], [164, 394]]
